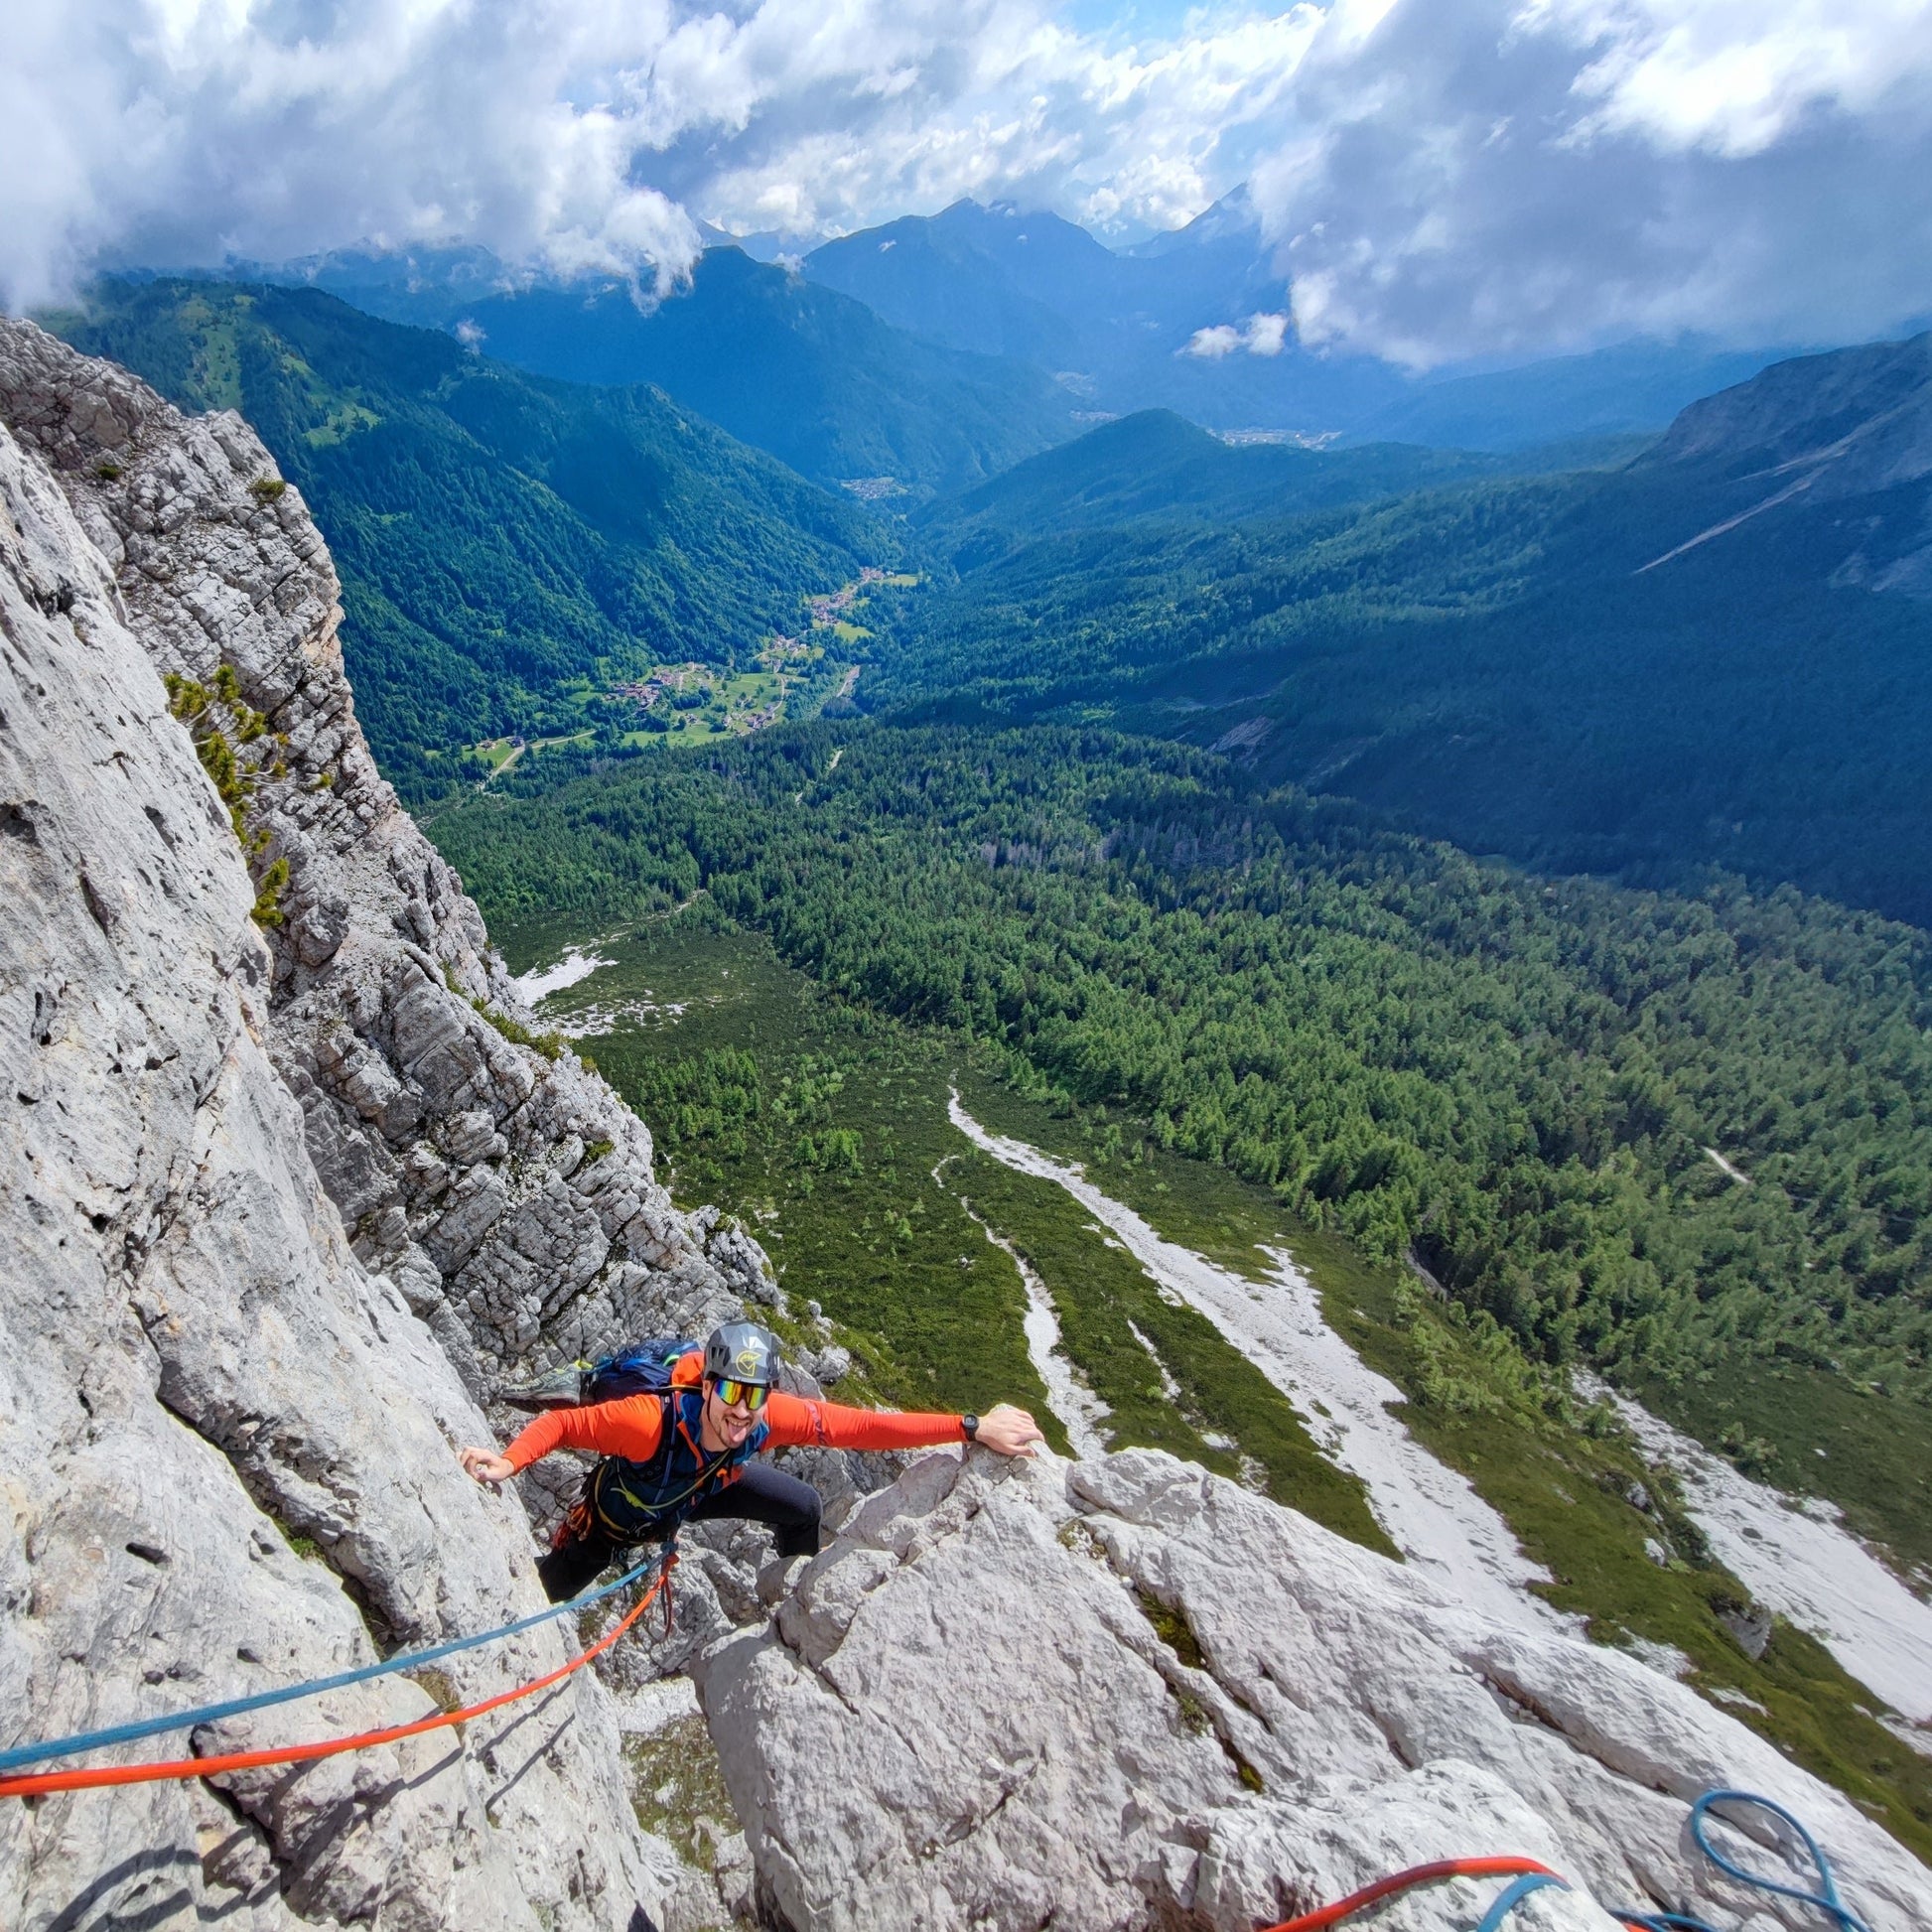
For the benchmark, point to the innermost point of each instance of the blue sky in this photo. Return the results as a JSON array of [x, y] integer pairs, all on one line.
[[1432, 179], [1157, 19]]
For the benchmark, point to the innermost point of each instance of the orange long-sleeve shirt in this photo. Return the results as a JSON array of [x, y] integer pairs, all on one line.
[[633, 1427]]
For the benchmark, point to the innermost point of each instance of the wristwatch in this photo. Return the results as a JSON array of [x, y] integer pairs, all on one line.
[[971, 1425]]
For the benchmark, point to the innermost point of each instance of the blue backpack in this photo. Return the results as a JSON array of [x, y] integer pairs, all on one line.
[[639, 1368]]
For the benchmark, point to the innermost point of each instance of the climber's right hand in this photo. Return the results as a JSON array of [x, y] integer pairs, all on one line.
[[486, 1465]]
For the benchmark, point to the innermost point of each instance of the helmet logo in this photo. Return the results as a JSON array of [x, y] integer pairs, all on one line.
[[748, 1361]]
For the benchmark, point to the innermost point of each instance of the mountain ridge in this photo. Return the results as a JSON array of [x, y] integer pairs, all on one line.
[[800, 371], [1638, 671]]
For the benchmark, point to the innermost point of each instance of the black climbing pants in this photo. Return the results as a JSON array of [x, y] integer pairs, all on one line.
[[761, 1494]]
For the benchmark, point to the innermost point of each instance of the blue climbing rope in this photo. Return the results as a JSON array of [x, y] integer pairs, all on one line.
[[1513, 1894], [1825, 1897], [209, 1713]]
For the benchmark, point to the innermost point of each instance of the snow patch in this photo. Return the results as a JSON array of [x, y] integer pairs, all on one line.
[[1799, 1560], [577, 964], [1081, 1413]]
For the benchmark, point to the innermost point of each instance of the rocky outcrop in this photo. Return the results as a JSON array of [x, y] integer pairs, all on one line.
[[226, 1445], [505, 1191], [1125, 1692], [1851, 427], [285, 1185], [1851, 422]]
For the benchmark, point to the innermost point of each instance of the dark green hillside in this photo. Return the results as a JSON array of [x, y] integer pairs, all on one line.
[[1643, 672], [1158, 467], [802, 371], [506, 544], [1518, 1081]]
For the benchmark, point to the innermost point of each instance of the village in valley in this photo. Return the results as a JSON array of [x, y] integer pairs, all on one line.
[[693, 702]]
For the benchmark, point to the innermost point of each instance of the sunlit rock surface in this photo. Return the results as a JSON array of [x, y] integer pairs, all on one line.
[[1125, 1692], [276, 1203]]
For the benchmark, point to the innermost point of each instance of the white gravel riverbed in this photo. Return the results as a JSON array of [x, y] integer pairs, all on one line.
[[1430, 1512]]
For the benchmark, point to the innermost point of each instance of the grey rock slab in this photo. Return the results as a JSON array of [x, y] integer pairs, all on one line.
[[382, 957], [199, 1382], [974, 1708]]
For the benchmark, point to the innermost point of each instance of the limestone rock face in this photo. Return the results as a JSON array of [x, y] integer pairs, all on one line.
[[268, 1206], [1127, 1694], [510, 1196]]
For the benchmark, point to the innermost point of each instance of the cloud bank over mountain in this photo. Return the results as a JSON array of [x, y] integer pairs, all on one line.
[[1439, 178], [1483, 177]]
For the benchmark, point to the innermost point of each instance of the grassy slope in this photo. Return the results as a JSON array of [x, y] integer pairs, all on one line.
[[822, 1125]]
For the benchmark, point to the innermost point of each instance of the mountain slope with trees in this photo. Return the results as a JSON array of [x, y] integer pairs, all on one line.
[[503, 540], [1715, 655], [1156, 467], [1513, 1081], [798, 370]]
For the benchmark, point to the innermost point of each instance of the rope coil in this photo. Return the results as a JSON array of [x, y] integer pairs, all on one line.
[[1535, 1876]]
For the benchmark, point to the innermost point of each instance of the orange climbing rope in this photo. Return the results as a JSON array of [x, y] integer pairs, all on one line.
[[203, 1767], [1420, 1874]]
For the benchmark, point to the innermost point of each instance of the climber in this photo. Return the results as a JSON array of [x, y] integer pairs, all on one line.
[[684, 1452]]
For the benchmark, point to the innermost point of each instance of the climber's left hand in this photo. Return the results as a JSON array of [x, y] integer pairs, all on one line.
[[1009, 1431]]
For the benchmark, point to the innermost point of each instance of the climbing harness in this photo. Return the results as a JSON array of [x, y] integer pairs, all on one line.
[[1532, 1876], [636, 1502], [37, 1784]]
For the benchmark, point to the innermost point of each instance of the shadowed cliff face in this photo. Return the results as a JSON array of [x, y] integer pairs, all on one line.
[[279, 1197]]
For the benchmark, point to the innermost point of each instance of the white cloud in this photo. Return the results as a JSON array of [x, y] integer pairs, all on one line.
[[575, 134], [1212, 344], [1491, 175], [1260, 335], [1439, 177]]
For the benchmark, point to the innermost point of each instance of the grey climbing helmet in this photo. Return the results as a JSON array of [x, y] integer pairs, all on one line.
[[743, 1351]]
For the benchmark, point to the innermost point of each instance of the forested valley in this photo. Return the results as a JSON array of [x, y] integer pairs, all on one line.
[[1566, 669], [512, 550], [1176, 756], [1524, 1085]]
